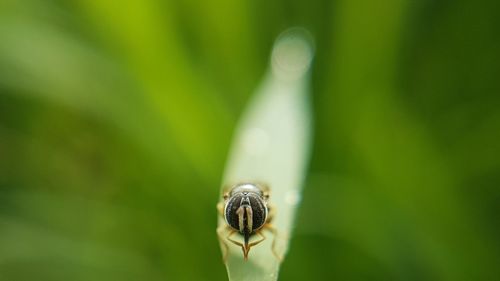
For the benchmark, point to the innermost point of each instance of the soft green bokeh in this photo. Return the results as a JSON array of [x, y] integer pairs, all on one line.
[[115, 122]]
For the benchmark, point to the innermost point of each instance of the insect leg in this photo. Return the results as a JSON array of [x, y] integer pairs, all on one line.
[[220, 232], [265, 189], [220, 209], [243, 248], [271, 213], [258, 241], [273, 245]]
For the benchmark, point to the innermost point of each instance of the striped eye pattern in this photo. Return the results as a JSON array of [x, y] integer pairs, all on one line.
[[246, 212]]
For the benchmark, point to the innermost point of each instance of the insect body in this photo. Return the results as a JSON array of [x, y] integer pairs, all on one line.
[[246, 211]]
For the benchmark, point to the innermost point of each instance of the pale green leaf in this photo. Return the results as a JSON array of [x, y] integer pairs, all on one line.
[[271, 145]]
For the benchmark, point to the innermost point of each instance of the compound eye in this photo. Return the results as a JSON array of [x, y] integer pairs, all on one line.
[[258, 211]]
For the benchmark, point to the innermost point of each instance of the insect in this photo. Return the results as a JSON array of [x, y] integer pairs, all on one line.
[[246, 212]]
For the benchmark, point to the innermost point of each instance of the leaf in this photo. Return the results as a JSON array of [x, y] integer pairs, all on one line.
[[271, 145]]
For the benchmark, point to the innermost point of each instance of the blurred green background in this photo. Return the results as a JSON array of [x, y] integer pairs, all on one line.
[[115, 122]]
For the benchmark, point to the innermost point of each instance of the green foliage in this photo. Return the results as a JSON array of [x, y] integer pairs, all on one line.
[[116, 119]]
